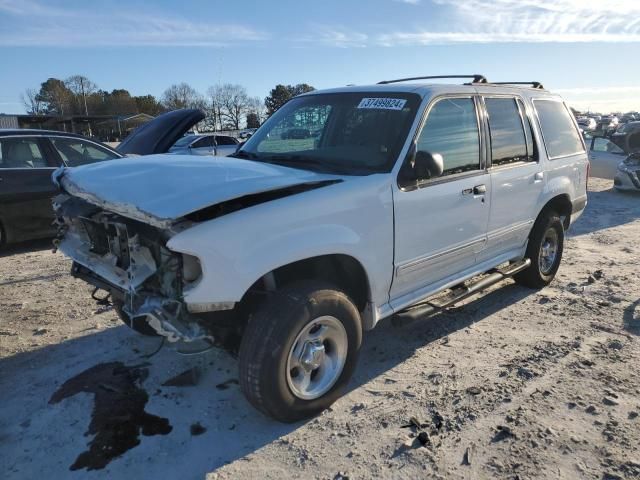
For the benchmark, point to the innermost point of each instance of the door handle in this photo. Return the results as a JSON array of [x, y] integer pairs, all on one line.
[[480, 189], [538, 176]]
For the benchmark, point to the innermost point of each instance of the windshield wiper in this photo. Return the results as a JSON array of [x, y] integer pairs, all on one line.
[[300, 161], [244, 154]]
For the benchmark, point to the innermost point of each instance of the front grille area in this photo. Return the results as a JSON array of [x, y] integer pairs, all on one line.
[[109, 238]]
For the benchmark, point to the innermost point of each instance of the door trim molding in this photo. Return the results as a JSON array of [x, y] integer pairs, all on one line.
[[420, 262]]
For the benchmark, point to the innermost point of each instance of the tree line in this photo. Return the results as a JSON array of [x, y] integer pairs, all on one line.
[[227, 106]]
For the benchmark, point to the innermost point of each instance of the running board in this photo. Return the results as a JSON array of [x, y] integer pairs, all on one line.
[[458, 293]]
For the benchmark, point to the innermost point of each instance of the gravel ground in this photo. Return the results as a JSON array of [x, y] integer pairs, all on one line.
[[513, 383]]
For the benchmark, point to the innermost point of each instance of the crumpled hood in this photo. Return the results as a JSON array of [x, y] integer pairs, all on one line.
[[158, 189]]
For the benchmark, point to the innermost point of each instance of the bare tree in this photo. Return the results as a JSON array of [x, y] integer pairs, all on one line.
[[32, 102], [182, 95], [214, 108], [257, 107], [231, 104], [81, 87]]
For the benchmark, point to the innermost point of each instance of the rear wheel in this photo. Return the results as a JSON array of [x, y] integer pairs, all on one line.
[[299, 351], [545, 247]]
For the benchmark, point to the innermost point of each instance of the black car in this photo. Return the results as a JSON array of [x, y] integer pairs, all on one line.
[[27, 159]]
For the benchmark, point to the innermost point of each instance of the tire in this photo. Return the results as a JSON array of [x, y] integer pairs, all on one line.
[[547, 231], [139, 324], [279, 339]]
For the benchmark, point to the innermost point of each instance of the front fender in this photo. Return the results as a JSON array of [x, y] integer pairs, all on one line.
[[352, 218]]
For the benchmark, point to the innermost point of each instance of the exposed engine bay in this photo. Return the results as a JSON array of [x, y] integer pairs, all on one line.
[[129, 259]]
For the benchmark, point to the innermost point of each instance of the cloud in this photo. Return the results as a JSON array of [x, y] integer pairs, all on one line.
[[35, 24], [604, 98], [334, 37], [531, 21], [409, 2]]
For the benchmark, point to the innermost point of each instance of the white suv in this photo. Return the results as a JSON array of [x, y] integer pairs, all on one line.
[[285, 252]]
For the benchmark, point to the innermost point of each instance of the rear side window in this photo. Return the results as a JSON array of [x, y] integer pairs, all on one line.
[[508, 140], [76, 152], [204, 142], [559, 134], [21, 152], [452, 131], [224, 140]]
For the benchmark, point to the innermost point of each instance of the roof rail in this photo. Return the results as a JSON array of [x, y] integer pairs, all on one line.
[[477, 78], [533, 84]]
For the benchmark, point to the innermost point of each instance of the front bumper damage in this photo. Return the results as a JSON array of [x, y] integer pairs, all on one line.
[[130, 260]]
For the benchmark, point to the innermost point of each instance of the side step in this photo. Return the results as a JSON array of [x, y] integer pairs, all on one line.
[[458, 293]]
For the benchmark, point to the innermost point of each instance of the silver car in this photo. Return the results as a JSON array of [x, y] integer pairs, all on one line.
[[220, 145]]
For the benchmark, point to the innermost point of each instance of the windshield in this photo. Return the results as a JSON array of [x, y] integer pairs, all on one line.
[[353, 133], [184, 141]]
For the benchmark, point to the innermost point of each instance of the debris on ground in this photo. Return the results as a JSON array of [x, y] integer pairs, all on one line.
[[197, 429], [188, 378]]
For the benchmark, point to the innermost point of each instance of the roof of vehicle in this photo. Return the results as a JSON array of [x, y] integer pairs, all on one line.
[[431, 89], [44, 133]]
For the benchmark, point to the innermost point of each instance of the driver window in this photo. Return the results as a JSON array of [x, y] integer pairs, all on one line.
[[452, 131]]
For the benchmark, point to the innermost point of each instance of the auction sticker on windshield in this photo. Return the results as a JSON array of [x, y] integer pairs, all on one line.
[[382, 103]]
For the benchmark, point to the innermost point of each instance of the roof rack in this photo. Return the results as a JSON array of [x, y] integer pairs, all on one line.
[[533, 84], [476, 78]]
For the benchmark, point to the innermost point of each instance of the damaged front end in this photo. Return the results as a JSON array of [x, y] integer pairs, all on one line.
[[130, 260]]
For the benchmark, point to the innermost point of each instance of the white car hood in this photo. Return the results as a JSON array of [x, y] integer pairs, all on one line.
[[158, 189]]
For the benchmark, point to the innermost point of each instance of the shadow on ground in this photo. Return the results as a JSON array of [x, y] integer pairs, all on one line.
[[25, 247], [606, 209], [631, 317], [232, 428]]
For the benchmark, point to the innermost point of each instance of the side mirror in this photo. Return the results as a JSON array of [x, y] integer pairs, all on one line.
[[427, 165]]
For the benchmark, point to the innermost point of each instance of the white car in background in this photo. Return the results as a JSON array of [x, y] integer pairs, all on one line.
[[587, 124], [604, 157], [205, 144]]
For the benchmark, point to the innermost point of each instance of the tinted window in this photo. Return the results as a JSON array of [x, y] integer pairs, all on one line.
[[224, 140], [451, 130], [204, 142], [560, 135], [532, 151], [21, 153], [508, 142], [184, 141], [76, 152]]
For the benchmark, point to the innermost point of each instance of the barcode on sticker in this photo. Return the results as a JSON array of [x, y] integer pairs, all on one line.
[[382, 103]]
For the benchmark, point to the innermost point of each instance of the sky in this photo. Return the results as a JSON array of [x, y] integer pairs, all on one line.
[[585, 50]]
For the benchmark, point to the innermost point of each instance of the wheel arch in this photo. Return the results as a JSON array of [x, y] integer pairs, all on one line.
[[560, 204], [344, 271]]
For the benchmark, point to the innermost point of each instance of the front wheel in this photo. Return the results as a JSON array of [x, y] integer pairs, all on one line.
[[545, 247], [299, 351]]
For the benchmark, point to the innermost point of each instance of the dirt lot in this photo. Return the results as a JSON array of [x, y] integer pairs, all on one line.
[[512, 384]]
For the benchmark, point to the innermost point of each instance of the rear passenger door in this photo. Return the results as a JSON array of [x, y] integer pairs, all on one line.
[[26, 188], [517, 176]]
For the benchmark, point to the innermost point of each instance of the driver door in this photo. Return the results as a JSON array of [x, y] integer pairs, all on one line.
[[441, 223]]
